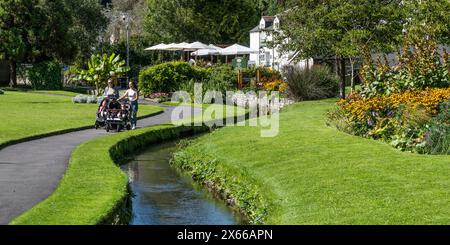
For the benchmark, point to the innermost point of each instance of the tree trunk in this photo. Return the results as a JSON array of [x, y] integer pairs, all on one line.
[[336, 65], [97, 89], [342, 74], [352, 80], [12, 73]]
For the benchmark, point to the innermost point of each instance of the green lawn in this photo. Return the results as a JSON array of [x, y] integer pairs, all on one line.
[[93, 184], [55, 92], [28, 114], [313, 174]]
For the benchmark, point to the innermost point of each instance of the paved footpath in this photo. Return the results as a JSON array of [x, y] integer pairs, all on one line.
[[31, 171]]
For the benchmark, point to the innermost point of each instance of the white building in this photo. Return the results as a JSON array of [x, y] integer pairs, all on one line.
[[260, 36]]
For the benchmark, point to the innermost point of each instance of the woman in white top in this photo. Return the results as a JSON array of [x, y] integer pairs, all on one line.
[[111, 90], [133, 96]]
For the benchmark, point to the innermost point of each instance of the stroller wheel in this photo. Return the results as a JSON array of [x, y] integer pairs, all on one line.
[[96, 126], [128, 127], [107, 128]]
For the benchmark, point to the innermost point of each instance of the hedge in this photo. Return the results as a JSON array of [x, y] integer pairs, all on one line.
[[167, 77]]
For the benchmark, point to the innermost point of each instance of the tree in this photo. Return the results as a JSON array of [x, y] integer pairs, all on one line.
[[428, 19], [342, 29], [89, 22], [33, 31], [101, 68], [209, 21], [269, 7], [14, 38]]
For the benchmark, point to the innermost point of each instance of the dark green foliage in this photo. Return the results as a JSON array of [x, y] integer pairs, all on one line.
[[88, 22], [220, 78], [46, 75], [34, 31], [209, 21], [168, 77], [312, 84]]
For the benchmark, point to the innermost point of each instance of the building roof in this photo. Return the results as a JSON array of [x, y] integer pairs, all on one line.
[[268, 24], [269, 18], [257, 29]]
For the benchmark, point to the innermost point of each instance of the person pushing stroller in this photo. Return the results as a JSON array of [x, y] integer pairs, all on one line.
[[132, 94]]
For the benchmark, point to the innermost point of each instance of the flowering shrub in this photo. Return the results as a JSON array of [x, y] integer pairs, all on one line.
[[402, 119], [276, 85], [364, 109]]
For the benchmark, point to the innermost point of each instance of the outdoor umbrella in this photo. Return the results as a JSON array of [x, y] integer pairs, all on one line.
[[212, 46], [177, 46], [237, 49], [160, 46], [195, 46], [205, 52]]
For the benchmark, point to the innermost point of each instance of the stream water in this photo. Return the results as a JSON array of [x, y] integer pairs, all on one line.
[[162, 196]]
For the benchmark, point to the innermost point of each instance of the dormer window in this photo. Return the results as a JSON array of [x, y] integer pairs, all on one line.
[[262, 24], [276, 24]]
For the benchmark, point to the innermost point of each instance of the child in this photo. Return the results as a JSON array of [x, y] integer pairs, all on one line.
[[123, 112], [102, 109]]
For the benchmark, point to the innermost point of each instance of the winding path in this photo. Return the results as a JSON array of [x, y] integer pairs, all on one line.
[[31, 171]]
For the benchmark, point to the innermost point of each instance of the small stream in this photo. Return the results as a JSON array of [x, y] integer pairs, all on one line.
[[162, 196]]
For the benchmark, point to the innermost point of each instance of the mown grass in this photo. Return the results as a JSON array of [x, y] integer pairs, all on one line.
[[93, 185], [55, 92], [27, 114], [314, 174], [91, 188]]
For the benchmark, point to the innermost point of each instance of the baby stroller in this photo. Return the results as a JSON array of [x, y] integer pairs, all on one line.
[[100, 120], [113, 115]]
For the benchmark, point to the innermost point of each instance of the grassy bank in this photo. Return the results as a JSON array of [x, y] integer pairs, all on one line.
[[26, 115], [313, 174], [94, 188]]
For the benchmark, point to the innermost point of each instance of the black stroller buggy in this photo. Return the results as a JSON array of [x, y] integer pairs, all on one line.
[[113, 115]]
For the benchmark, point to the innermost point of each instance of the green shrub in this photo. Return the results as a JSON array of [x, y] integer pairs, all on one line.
[[437, 140], [168, 77], [220, 78], [264, 72], [2, 92], [312, 84], [46, 75]]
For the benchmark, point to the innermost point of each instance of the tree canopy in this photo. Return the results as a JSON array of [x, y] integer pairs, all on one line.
[[350, 28], [209, 21], [33, 31]]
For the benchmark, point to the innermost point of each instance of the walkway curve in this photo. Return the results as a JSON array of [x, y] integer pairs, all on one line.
[[31, 171]]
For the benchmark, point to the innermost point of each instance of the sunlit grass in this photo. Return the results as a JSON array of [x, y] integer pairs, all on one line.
[[317, 175], [28, 114]]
